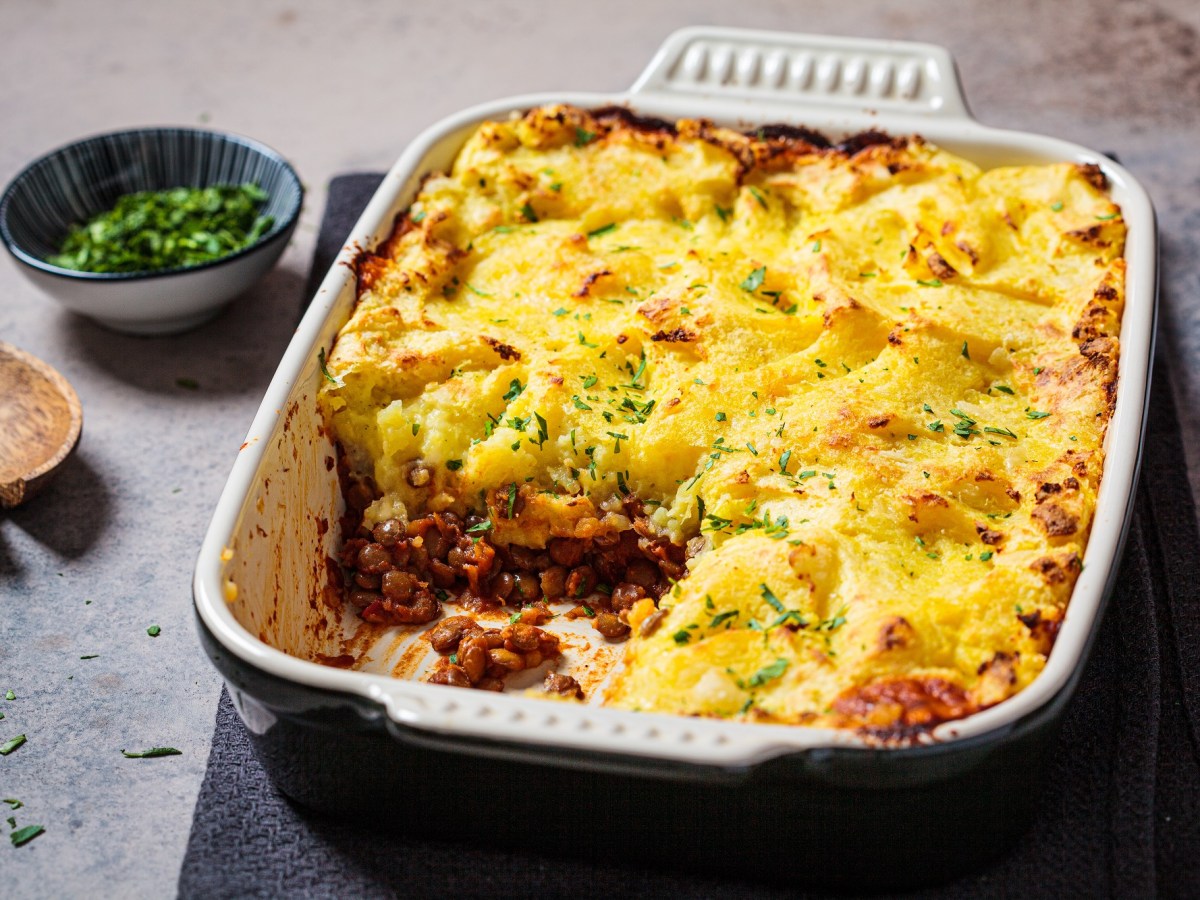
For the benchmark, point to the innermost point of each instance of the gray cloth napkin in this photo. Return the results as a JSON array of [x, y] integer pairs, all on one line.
[[1119, 813]]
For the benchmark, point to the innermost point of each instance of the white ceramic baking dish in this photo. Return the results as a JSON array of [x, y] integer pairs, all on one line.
[[262, 567]]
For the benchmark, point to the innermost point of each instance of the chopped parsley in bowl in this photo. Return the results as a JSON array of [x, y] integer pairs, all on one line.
[[171, 229], [102, 225]]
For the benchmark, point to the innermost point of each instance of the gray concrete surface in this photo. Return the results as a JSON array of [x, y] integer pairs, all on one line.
[[343, 86]]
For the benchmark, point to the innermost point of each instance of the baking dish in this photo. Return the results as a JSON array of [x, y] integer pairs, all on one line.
[[321, 729]]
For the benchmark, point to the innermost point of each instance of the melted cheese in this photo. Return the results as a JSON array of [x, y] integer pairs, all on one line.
[[877, 383]]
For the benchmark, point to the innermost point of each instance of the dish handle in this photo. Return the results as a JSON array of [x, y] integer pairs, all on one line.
[[780, 68]]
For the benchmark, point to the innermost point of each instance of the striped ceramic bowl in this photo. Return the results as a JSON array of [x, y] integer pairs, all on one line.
[[74, 183]]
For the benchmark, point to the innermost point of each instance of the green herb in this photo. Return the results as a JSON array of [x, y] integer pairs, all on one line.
[[579, 404], [784, 459], [514, 390], [934, 282], [91, 656], [723, 213], [560, 312], [155, 230], [966, 353], [985, 555], [1057, 207], [1004, 389], [936, 426], [584, 341], [454, 464], [9, 746], [154, 631], [151, 753], [754, 280], [588, 381], [1037, 370], [416, 426], [769, 596], [768, 673], [722, 618], [1106, 218], [15, 804], [325, 368], [528, 213], [757, 195], [25, 835], [603, 229], [583, 136], [1004, 431], [480, 527], [681, 636], [190, 384], [816, 247], [512, 498], [1035, 414], [9, 695], [807, 473], [721, 417]]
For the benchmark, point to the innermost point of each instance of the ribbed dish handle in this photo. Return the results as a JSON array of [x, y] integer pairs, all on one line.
[[777, 67]]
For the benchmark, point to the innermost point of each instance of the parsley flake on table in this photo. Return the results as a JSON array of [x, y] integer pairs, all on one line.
[[10, 745], [154, 631], [151, 753], [25, 835]]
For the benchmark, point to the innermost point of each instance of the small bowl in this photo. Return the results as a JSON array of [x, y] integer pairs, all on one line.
[[75, 182]]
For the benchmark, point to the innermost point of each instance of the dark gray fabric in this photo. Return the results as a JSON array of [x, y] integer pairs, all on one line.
[[1119, 815]]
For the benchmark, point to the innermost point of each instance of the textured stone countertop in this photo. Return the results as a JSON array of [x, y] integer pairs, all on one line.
[[108, 550]]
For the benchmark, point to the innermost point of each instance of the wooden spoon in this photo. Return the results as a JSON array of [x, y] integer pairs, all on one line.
[[40, 422]]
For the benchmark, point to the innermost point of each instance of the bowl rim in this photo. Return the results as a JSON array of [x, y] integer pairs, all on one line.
[[281, 226]]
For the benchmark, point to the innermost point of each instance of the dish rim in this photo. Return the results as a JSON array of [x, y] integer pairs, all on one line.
[[281, 225], [734, 744]]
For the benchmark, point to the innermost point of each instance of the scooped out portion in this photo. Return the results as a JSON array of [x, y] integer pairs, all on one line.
[[815, 428]]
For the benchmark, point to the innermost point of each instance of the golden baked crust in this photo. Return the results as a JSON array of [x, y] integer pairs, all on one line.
[[872, 377]]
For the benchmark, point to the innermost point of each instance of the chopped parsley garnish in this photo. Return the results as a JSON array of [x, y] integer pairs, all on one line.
[[1106, 218], [1004, 389], [583, 136], [480, 527], [681, 636], [155, 230], [24, 835], [784, 459], [1035, 414], [1057, 207], [726, 618], [584, 341], [151, 753], [933, 282], [721, 417], [965, 352], [528, 213], [936, 426], [579, 404], [476, 291], [560, 312], [10, 745], [990, 429], [325, 369], [154, 631], [454, 464], [754, 280], [772, 600], [757, 195], [512, 498], [768, 673], [985, 555], [603, 229]]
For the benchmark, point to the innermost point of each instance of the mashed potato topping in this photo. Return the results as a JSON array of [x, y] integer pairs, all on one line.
[[866, 384]]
